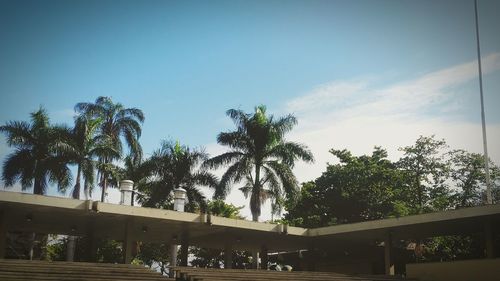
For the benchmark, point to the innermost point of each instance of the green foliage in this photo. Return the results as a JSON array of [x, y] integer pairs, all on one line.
[[427, 178], [35, 162], [260, 157], [356, 189], [174, 166], [426, 172], [220, 208], [155, 255], [449, 248], [468, 174], [117, 123]]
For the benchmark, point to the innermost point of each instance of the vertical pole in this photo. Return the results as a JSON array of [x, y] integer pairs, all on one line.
[[488, 239], [3, 234], [228, 256], [389, 268], [489, 198]]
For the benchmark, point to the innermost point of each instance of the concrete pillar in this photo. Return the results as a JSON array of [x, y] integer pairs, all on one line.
[[264, 259], [173, 259], [184, 250], [389, 266], [70, 248], [179, 203], [92, 247], [3, 234], [311, 257], [128, 242], [488, 240], [255, 259], [228, 256]]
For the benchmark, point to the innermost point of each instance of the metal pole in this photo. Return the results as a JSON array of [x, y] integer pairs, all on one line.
[[489, 199]]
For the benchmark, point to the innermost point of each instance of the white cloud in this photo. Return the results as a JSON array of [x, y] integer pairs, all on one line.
[[356, 115], [349, 99]]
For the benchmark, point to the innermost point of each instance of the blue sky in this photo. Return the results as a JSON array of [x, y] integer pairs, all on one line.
[[356, 73]]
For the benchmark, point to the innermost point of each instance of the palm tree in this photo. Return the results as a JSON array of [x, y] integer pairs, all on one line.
[[260, 156], [82, 147], [117, 122], [174, 166], [35, 162]]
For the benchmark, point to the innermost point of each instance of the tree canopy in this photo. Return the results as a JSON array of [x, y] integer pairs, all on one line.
[[261, 157]]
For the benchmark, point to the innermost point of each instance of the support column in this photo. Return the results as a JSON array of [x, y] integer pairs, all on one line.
[[3, 234], [173, 259], [488, 240], [91, 250], [389, 266], [264, 259], [184, 250], [92, 247], [228, 256], [70, 248], [128, 242], [311, 257], [255, 259]]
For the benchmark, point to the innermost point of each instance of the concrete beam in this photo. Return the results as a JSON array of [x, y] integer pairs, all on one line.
[[435, 218]]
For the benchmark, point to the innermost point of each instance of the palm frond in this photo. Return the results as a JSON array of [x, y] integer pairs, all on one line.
[[18, 133]]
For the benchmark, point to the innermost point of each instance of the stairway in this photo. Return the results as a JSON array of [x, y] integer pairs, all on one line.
[[207, 274], [25, 270]]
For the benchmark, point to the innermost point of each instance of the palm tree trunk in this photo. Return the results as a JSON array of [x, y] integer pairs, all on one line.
[[255, 197], [70, 247], [76, 189], [104, 187], [37, 189]]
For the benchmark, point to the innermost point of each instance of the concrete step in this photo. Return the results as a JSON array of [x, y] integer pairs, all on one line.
[[17, 270]]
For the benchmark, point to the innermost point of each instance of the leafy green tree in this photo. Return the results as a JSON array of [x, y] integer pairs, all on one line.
[[260, 156], [358, 188], [174, 166], [35, 162], [467, 173], [221, 209], [154, 255], [117, 122], [426, 171]]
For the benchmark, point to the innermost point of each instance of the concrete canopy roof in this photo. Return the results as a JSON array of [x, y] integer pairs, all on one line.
[[45, 214]]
